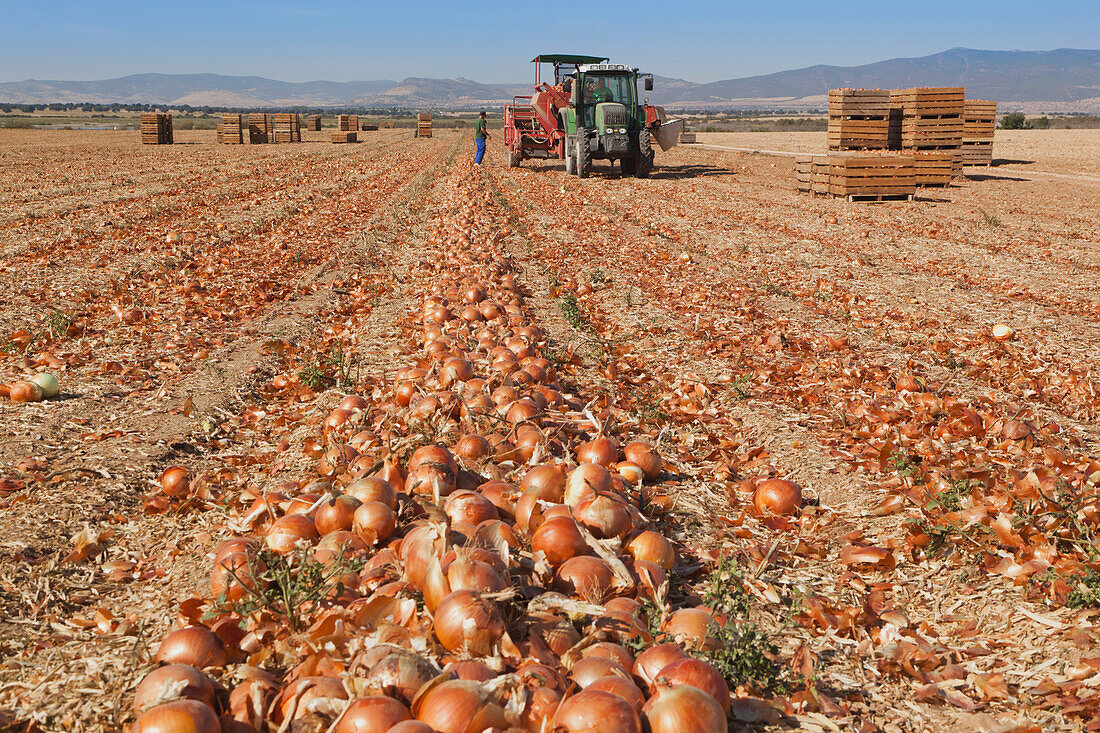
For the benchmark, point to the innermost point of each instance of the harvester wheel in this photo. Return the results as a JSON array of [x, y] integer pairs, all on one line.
[[514, 157], [644, 164], [584, 154]]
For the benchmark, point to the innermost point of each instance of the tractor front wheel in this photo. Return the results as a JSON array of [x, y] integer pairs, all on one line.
[[570, 158], [584, 154], [644, 162], [629, 166]]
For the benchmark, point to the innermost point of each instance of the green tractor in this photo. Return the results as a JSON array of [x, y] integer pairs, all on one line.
[[591, 112], [606, 121]]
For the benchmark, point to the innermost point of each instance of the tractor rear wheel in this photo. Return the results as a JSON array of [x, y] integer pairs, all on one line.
[[644, 165], [584, 154]]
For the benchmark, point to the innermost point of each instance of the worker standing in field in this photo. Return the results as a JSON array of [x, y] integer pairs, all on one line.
[[480, 136]]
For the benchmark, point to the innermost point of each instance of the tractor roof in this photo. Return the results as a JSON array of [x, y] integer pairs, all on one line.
[[567, 58]]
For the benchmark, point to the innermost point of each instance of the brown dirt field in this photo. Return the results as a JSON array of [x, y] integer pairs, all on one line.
[[756, 330]]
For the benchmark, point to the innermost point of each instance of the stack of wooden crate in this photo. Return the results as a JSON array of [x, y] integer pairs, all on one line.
[[287, 127], [979, 122], [929, 119], [345, 136], [933, 168], [859, 119], [424, 125], [313, 123], [347, 123], [858, 177], [230, 130], [156, 128], [260, 128]]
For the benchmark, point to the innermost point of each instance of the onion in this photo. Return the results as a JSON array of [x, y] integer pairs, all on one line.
[[691, 627], [647, 459], [372, 488], [469, 506], [589, 669], [335, 514], [610, 650], [631, 472], [374, 522], [604, 516], [197, 646], [650, 662], [335, 460], [559, 539], [172, 682], [700, 674], [653, 547], [174, 481], [432, 454], [47, 383], [777, 496], [584, 576], [596, 711], [472, 447], [584, 481], [285, 533], [235, 574], [466, 621], [502, 495], [411, 726], [181, 716], [548, 480], [340, 543], [458, 706], [624, 687], [472, 670], [538, 712], [683, 709], [1001, 332], [467, 574], [428, 477], [375, 714], [25, 392], [400, 674], [599, 450], [306, 689]]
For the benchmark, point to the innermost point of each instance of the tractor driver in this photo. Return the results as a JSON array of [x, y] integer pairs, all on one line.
[[598, 91]]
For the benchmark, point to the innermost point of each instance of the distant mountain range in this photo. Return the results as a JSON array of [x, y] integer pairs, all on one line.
[[1059, 80]]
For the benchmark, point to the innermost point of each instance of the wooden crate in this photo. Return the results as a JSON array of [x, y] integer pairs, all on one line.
[[687, 138], [156, 128], [979, 119], [347, 122], [860, 103], [260, 128], [287, 127], [923, 101], [368, 128], [933, 169], [424, 124], [345, 136], [977, 152], [313, 123], [857, 177], [230, 131]]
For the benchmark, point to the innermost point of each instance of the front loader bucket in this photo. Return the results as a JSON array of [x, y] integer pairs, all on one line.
[[668, 133]]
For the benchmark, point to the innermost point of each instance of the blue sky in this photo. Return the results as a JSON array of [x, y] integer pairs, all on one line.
[[705, 40]]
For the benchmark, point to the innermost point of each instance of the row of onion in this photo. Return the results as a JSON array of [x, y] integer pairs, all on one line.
[[503, 562]]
